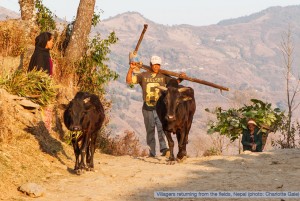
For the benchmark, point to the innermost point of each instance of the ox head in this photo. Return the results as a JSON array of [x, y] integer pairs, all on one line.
[[173, 97], [76, 113]]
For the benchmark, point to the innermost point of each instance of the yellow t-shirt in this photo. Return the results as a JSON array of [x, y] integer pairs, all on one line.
[[149, 81]]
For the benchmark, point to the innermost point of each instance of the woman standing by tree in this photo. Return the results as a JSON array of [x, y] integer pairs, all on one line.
[[40, 58]]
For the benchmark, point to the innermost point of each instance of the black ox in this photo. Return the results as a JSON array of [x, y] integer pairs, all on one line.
[[175, 109], [84, 113]]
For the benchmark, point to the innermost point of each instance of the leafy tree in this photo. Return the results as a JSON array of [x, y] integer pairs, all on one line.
[[231, 122], [37, 14], [44, 17], [93, 74]]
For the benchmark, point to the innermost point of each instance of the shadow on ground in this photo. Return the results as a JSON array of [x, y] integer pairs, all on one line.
[[47, 143]]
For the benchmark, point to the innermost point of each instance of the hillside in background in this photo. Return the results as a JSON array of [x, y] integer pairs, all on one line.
[[242, 54], [8, 14]]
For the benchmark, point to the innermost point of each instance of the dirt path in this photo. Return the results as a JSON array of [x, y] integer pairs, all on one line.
[[128, 178]]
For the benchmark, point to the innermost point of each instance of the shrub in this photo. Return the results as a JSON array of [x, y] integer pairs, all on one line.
[[212, 151], [291, 140], [128, 144]]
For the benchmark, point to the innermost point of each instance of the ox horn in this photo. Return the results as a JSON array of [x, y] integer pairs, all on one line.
[[86, 100], [162, 88], [183, 89]]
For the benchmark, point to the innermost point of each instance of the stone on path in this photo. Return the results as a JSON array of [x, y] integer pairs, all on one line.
[[32, 190]]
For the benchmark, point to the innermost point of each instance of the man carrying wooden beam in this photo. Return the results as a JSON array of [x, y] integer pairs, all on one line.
[[149, 80]]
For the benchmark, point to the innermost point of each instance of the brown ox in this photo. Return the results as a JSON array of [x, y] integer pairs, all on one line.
[[175, 109], [84, 113]]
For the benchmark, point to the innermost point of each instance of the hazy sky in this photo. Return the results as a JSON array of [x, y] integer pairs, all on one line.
[[168, 12]]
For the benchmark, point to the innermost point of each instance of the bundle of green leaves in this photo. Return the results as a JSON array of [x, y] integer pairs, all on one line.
[[35, 85], [231, 122]]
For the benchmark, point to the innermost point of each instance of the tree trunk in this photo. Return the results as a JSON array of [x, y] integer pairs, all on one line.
[[81, 30], [27, 10], [28, 15]]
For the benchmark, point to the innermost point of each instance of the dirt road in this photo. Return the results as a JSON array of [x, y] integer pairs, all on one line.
[[128, 178]]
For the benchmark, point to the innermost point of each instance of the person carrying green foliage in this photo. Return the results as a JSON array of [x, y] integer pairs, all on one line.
[[252, 137]]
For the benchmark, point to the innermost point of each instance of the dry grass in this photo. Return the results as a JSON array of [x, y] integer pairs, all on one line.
[[127, 144], [13, 41], [5, 131], [10, 118], [213, 145]]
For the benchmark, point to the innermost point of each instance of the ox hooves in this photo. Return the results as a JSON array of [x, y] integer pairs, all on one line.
[[79, 171], [90, 169], [171, 162], [180, 160]]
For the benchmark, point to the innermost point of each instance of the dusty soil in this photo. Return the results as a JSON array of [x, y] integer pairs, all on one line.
[[128, 178]]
